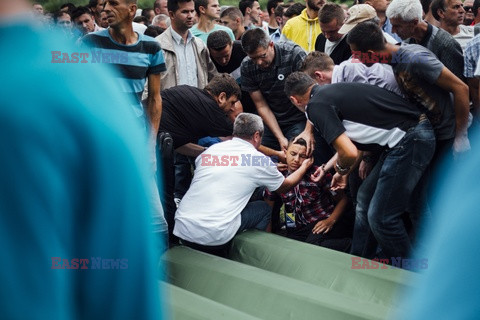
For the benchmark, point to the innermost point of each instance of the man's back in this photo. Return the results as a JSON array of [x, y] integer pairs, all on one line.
[[225, 177]]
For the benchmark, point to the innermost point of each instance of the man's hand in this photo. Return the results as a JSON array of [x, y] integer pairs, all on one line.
[[323, 226], [307, 135], [461, 144], [318, 174], [339, 182], [282, 167], [364, 169], [283, 143], [307, 163]]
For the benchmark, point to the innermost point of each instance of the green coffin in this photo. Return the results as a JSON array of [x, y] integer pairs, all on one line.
[[185, 305], [261, 293], [322, 267]]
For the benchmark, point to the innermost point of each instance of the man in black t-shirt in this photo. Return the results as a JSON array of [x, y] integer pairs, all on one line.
[[188, 114], [227, 55], [356, 116]]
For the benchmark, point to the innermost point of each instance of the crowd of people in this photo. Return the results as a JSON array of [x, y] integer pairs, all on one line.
[[357, 107]]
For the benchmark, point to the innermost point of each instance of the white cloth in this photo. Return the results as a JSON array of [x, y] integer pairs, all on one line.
[[378, 74], [139, 28], [464, 36], [209, 213]]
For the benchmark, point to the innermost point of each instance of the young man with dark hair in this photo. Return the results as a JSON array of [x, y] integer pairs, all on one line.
[[84, 20], [208, 11], [425, 81], [233, 18], [342, 113], [227, 55], [330, 41], [318, 212], [272, 21], [186, 56], [251, 13]]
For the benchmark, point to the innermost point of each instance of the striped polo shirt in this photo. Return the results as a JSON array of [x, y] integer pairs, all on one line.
[[134, 62]]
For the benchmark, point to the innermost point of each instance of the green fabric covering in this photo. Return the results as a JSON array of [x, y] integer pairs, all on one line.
[[322, 267], [186, 305], [261, 293]]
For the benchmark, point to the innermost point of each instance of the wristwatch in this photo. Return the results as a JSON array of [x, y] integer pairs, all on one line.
[[341, 170]]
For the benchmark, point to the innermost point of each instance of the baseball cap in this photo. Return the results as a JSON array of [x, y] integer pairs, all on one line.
[[356, 14]]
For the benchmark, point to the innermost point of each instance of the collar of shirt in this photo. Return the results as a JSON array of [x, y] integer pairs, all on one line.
[[178, 38]]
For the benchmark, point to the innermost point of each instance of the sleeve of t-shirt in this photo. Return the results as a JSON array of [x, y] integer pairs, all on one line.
[[325, 121], [298, 56], [157, 62], [270, 177], [426, 66], [248, 82]]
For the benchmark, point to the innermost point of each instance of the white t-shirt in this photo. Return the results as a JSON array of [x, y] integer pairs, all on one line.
[[209, 213]]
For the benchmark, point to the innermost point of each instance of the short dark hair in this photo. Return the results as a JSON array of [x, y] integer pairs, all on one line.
[[426, 5], [367, 36], [279, 10], [172, 5], [59, 14], [316, 60], [253, 39], [79, 11], [294, 10], [297, 84], [218, 40], [70, 7], [140, 19], [331, 11], [224, 82], [244, 4], [476, 5], [145, 12], [437, 5], [232, 13], [272, 4], [299, 141], [153, 31], [200, 3]]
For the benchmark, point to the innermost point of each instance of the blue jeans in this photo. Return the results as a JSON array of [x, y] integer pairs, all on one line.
[[256, 215], [384, 195]]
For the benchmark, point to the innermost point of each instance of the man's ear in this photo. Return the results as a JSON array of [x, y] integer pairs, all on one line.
[[440, 13], [319, 76], [222, 98], [202, 10], [294, 100]]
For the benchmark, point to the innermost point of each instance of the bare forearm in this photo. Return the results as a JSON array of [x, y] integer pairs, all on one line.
[[190, 150], [154, 112]]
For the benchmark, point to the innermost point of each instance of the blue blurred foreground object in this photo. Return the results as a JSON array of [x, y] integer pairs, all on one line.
[[75, 219], [450, 286]]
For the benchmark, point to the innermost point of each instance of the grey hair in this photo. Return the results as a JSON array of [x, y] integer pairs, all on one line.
[[159, 18], [246, 124], [406, 10]]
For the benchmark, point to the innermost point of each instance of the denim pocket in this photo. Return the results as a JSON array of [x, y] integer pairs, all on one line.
[[423, 148]]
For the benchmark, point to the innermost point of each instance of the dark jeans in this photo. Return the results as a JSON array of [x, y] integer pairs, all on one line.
[[256, 215], [384, 195], [338, 238]]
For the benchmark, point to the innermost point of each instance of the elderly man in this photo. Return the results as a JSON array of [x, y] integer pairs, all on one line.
[[450, 14], [407, 22], [216, 206]]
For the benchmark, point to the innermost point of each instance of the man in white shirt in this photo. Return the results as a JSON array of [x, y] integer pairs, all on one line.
[[216, 206]]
